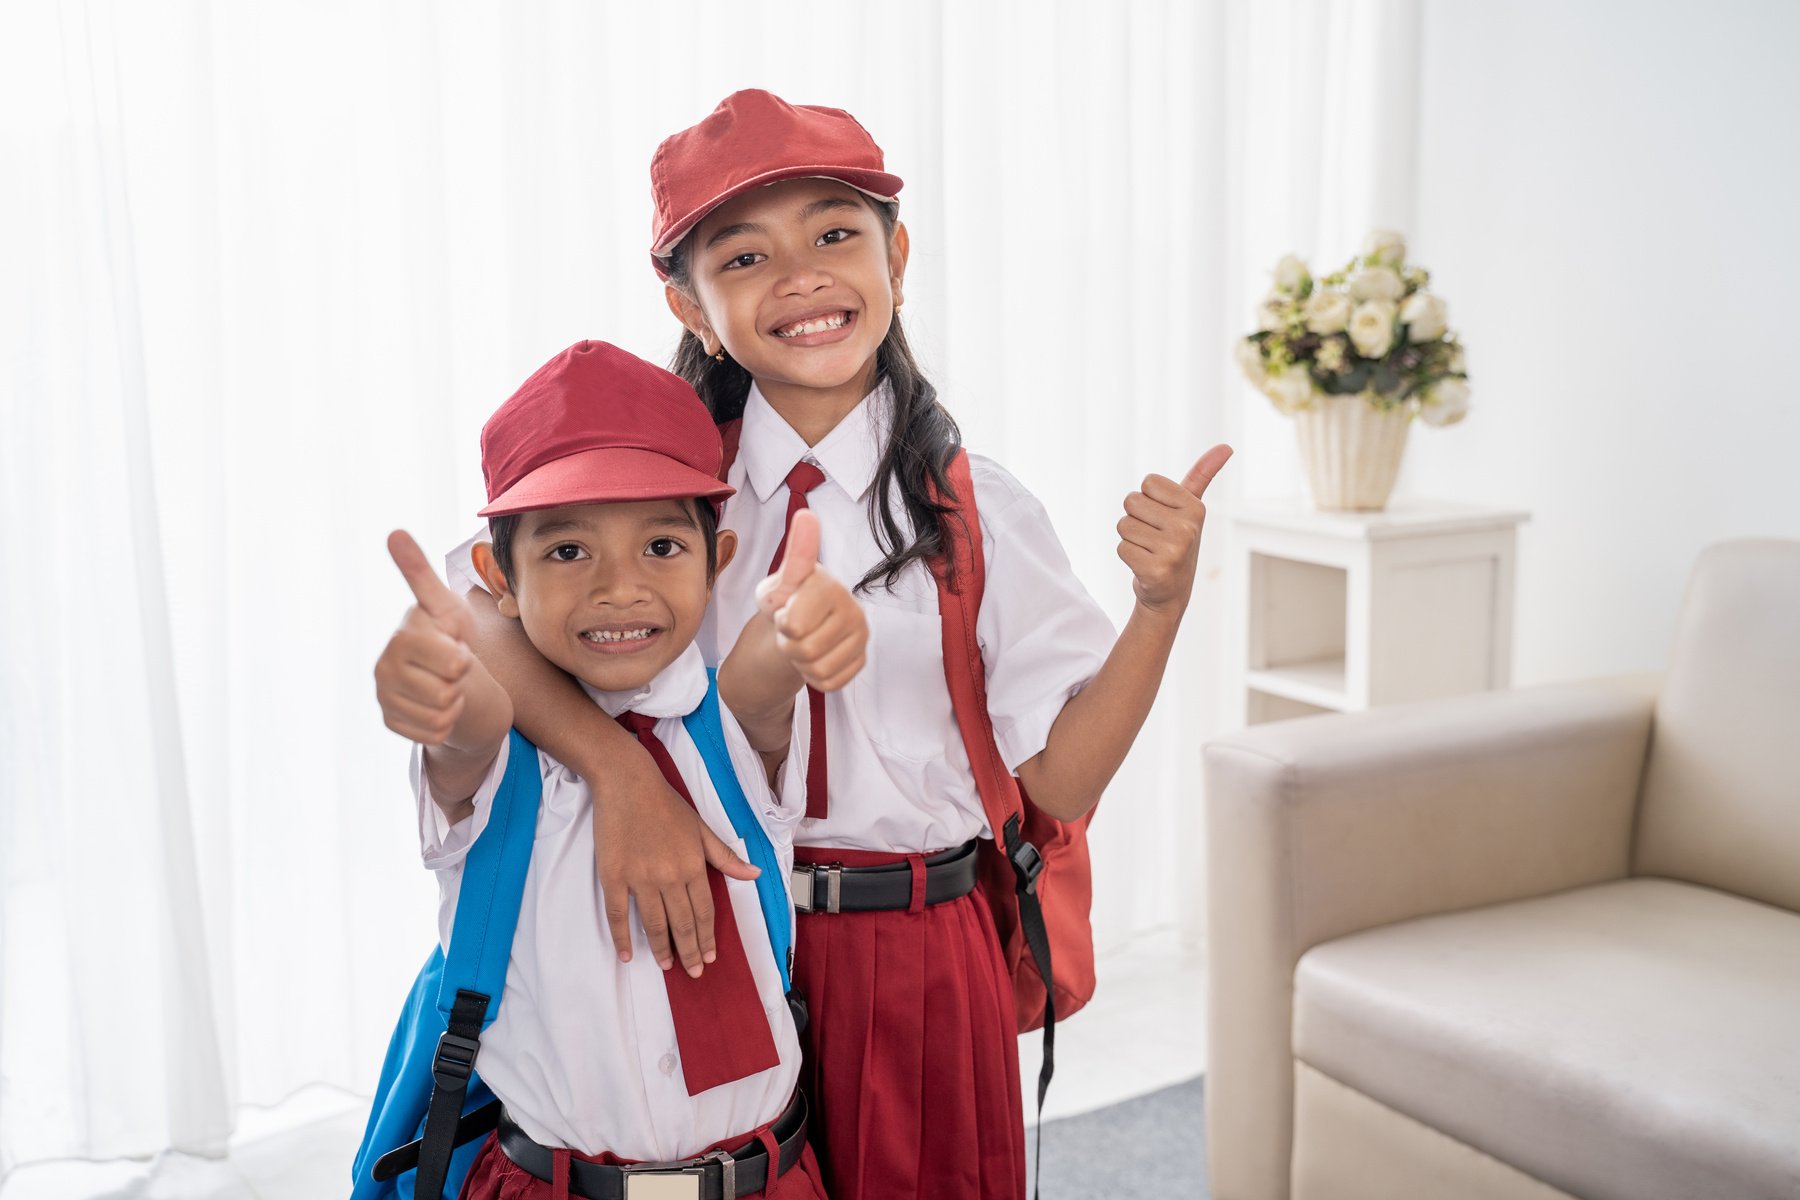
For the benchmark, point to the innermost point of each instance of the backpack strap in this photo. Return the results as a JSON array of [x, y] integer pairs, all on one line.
[[487, 912], [706, 727], [961, 579]]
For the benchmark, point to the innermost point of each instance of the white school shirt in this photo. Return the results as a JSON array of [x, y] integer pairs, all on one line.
[[583, 1051], [899, 775], [897, 769]]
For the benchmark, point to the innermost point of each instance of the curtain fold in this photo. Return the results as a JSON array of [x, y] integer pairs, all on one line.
[[271, 266]]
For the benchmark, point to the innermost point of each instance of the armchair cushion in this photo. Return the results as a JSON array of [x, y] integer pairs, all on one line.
[[1633, 1040]]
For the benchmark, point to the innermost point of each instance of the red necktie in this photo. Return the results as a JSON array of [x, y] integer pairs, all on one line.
[[720, 1025], [801, 480]]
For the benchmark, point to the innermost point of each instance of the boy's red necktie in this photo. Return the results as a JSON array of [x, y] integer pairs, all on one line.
[[801, 480], [720, 1025]]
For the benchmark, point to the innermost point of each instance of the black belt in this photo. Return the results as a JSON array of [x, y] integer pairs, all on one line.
[[832, 888], [717, 1175]]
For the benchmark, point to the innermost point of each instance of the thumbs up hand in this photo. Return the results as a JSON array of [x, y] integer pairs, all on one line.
[[430, 685], [1159, 536], [819, 626]]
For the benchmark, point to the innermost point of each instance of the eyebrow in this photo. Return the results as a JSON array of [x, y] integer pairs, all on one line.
[[552, 529], [816, 208]]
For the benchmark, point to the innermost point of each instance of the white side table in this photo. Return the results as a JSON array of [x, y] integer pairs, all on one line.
[[1341, 611]]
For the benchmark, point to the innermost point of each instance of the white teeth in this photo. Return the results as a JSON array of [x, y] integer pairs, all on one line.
[[816, 325], [617, 635]]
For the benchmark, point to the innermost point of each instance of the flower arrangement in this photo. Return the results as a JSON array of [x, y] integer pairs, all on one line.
[[1370, 329]]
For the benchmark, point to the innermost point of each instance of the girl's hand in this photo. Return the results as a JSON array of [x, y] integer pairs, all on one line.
[[819, 626], [1160, 534]]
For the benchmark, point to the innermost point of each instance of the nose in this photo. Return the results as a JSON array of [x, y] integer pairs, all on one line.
[[805, 274], [617, 585]]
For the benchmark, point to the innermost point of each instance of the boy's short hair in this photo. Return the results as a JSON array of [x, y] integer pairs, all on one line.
[[503, 529]]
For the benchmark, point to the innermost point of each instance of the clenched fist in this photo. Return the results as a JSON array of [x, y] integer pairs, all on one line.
[[1159, 535], [819, 626], [431, 687]]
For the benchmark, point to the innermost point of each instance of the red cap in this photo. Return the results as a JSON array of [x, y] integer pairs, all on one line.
[[755, 138], [596, 424]]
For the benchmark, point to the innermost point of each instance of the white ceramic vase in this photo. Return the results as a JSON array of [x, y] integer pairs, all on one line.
[[1351, 450]]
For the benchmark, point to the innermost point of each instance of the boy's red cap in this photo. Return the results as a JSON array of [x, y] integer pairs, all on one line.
[[755, 138], [596, 424]]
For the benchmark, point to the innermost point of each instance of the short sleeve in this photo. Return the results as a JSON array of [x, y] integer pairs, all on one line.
[[1043, 638], [779, 807], [443, 846], [459, 565]]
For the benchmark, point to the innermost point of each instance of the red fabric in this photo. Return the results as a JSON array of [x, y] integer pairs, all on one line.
[[493, 1176], [801, 480], [720, 1024], [752, 139], [909, 1056], [597, 424], [1065, 887]]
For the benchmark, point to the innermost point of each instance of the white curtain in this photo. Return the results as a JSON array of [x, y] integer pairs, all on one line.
[[265, 268]]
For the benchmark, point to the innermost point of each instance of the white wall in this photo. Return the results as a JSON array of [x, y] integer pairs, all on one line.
[[1607, 197]]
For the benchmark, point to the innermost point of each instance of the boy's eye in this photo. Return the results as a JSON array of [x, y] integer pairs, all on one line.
[[737, 261], [663, 547], [567, 552], [832, 237]]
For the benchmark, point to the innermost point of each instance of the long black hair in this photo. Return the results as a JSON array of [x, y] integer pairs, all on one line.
[[922, 435]]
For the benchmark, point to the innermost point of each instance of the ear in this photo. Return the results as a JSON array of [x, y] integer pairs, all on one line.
[[489, 569], [899, 246], [727, 549], [687, 311]]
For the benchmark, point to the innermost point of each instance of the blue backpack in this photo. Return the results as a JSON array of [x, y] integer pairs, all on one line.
[[431, 1109]]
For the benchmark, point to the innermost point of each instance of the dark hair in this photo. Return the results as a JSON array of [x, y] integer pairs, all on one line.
[[503, 529], [922, 435]]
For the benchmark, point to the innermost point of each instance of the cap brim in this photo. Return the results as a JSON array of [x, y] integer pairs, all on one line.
[[602, 476], [877, 185]]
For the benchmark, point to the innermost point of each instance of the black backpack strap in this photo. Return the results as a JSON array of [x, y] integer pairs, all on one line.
[[451, 1067], [1027, 864]]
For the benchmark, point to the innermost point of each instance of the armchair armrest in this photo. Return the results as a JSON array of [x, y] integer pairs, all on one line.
[[1320, 827]]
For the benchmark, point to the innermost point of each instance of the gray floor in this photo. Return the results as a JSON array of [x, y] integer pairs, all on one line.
[[1147, 1147]]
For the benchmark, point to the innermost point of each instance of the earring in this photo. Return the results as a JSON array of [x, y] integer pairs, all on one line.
[[720, 356]]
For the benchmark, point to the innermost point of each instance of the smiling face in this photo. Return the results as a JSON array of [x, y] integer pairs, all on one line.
[[798, 281], [611, 593]]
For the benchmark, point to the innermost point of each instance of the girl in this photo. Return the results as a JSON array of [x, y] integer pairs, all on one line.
[[777, 236]]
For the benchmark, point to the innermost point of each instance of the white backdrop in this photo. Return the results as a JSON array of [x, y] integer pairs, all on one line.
[[264, 270]]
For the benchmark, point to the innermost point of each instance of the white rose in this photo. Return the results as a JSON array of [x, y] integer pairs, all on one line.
[[1376, 283], [1384, 245], [1372, 327], [1271, 314], [1446, 403], [1458, 362], [1290, 391], [1250, 361], [1327, 312], [1291, 275], [1426, 317]]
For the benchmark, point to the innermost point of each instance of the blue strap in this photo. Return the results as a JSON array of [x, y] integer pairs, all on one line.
[[493, 883], [705, 726]]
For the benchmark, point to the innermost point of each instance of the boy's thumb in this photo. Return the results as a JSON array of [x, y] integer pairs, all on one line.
[[799, 559]]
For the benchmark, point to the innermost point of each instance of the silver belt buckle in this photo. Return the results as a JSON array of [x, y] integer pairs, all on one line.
[[662, 1183], [801, 887], [727, 1173]]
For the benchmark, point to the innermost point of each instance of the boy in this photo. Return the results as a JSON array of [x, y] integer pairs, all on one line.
[[602, 485]]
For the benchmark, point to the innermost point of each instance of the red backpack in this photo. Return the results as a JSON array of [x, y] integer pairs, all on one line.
[[1035, 873]]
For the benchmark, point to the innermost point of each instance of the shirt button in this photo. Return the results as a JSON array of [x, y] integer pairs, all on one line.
[[666, 1064]]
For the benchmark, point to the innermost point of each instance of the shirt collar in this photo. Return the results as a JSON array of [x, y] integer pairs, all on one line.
[[848, 454], [674, 691]]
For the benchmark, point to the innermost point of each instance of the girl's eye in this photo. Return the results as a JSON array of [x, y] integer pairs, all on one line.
[[832, 237], [567, 552], [664, 548]]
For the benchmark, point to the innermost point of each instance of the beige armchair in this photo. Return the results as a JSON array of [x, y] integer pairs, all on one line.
[[1538, 943]]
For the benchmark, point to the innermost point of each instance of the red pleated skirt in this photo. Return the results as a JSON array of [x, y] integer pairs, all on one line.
[[911, 1053], [493, 1176]]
